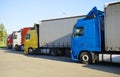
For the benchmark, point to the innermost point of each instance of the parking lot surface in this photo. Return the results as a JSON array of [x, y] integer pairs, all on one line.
[[16, 64]]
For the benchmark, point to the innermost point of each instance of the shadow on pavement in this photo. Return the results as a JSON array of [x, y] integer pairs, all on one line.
[[11, 51], [57, 58], [106, 67]]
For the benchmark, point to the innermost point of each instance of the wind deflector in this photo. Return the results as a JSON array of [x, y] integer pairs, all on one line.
[[94, 13]]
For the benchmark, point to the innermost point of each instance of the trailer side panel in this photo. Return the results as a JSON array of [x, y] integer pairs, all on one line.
[[56, 32], [112, 27]]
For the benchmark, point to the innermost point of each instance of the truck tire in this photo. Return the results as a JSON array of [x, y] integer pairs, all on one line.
[[30, 51], [85, 57], [16, 47]]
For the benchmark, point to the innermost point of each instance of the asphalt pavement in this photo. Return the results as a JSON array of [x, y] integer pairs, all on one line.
[[16, 64]]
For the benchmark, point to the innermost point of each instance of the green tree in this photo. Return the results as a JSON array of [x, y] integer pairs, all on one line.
[[3, 35]]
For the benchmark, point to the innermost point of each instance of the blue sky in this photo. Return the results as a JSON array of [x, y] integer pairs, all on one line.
[[16, 14]]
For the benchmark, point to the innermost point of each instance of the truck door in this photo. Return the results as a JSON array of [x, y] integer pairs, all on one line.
[[84, 36]]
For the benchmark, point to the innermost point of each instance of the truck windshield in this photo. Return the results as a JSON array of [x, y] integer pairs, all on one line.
[[15, 37], [78, 31]]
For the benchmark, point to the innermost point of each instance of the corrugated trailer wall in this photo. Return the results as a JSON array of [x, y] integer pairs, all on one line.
[[112, 27]]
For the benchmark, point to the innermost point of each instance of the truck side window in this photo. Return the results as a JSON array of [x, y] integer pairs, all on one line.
[[27, 36], [79, 31]]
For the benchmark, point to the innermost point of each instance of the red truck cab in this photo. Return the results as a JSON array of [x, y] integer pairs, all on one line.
[[9, 41], [23, 33]]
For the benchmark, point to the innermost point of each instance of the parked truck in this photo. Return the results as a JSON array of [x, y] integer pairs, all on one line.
[[51, 37], [9, 41], [96, 37], [18, 38]]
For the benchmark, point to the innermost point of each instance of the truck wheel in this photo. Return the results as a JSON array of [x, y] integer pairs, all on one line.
[[16, 47], [86, 58], [30, 51]]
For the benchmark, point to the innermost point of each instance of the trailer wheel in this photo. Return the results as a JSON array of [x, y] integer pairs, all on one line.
[[53, 52], [30, 51], [86, 58]]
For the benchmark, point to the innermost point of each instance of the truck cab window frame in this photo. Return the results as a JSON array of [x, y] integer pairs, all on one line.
[[78, 31]]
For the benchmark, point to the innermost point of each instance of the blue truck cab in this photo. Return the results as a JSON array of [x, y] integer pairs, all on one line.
[[88, 36]]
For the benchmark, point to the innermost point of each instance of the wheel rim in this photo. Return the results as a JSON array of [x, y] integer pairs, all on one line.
[[30, 50], [85, 58]]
